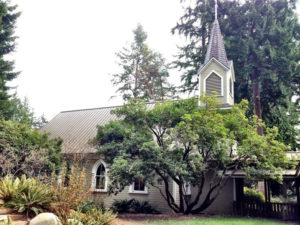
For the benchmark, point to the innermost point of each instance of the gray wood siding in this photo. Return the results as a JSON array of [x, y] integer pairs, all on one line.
[[213, 83]]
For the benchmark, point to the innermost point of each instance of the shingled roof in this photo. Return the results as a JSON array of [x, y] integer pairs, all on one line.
[[77, 127], [216, 47]]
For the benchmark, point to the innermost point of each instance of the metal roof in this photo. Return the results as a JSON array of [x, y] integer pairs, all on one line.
[[77, 127], [216, 47]]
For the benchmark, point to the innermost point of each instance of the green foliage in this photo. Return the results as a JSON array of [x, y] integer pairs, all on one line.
[[217, 220], [260, 36], [26, 195], [8, 18], [86, 205], [23, 113], [133, 206], [144, 72], [143, 207], [69, 190], [122, 205], [26, 151], [178, 141], [8, 188], [251, 195], [93, 217]]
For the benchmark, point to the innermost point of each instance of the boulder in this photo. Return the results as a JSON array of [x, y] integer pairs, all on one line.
[[45, 219]]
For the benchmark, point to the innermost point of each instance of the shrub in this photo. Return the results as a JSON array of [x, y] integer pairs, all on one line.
[[26, 151], [143, 207], [67, 196], [8, 188], [26, 195], [250, 195], [122, 205], [134, 206], [86, 206], [93, 217]]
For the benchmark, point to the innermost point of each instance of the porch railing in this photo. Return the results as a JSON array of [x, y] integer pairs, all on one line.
[[286, 211]]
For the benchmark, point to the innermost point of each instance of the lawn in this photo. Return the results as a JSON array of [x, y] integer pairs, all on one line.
[[217, 221]]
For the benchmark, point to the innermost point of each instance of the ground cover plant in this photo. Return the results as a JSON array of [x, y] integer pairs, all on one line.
[[26, 195], [216, 221]]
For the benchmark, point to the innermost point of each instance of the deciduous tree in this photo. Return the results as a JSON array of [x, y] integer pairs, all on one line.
[[179, 142], [24, 150]]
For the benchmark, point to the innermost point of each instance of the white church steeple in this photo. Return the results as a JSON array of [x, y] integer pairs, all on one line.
[[217, 73]]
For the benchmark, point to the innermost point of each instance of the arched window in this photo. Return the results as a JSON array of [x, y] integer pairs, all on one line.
[[213, 83], [100, 178]]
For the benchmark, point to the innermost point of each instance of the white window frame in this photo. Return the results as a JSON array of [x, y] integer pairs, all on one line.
[[222, 85], [94, 173], [132, 191]]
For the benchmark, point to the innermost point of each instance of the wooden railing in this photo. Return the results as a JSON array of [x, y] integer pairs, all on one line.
[[286, 211]]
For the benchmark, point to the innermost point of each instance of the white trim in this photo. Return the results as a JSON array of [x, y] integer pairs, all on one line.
[[132, 191], [94, 171], [213, 59], [234, 190], [222, 84]]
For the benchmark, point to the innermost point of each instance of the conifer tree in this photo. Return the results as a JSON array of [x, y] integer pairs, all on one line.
[[262, 39], [8, 17], [144, 72]]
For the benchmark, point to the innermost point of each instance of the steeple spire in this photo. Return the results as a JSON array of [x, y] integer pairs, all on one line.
[[216, 47]]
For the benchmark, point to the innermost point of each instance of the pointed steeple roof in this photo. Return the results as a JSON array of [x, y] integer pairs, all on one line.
[[216, 47]]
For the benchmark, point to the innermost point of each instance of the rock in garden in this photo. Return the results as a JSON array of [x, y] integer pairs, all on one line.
[[45, 219]]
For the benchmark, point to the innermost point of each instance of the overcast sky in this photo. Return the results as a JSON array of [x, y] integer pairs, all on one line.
[[66, 48]]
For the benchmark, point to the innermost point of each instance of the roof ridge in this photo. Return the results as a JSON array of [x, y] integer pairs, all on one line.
[[104, 107], [87, 109]]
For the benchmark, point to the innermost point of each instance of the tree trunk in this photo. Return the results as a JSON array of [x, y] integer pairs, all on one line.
[[256, 99]]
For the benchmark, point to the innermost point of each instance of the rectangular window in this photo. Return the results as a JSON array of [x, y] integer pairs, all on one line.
[[138, 187], [139, 184]]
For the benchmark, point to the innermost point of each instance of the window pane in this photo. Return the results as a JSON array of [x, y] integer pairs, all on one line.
[[100, 170], [139, 184], [100, 182]]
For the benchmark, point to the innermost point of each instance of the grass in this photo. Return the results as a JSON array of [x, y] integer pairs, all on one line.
[[217, 221]]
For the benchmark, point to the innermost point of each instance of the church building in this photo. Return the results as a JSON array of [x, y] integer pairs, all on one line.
[[77, 127]]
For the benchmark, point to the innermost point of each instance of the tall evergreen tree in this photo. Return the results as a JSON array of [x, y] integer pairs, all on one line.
[[144, 72], [262, 39], [8, 17]]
